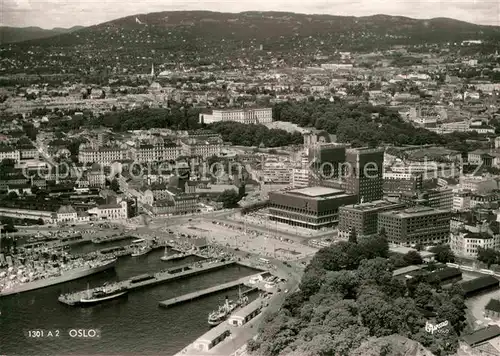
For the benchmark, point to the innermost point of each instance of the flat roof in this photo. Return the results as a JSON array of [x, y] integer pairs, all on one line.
[[374, 205], [316, 191], [213, 334], [248, 309], [415, 211], [482, 335]]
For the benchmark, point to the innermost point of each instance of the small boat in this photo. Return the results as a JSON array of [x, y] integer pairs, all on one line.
[[103, 294], [136, 241], [141, 251]]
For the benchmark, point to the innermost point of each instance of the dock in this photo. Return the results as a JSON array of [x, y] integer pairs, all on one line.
[[147, 280], [202, 293]]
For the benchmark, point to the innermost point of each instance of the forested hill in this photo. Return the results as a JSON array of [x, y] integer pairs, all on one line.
[[19, 34], [214, 31]]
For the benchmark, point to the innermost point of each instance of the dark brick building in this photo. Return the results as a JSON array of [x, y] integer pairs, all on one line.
[[313, 207]]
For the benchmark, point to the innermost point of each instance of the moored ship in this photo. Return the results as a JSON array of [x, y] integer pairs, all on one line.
[[11, 283], [141, 251], [224, 311], [103, 294]]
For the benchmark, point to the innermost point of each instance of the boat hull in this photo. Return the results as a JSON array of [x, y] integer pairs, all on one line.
[[66, 277], [102, 299], [172, 257], [215, 322], [142, 253]]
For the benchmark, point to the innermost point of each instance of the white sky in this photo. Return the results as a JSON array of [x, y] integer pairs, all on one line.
[[68, 13]]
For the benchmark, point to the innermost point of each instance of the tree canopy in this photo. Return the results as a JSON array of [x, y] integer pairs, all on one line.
[[348, 296]]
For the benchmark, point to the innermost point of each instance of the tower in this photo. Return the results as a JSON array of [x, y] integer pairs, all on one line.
[[363, 173]]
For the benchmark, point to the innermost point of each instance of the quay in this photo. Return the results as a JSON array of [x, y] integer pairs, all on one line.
[[191, 296], [147, 280]]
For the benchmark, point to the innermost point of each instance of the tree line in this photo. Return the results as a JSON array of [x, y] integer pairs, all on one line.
[[348, 297]]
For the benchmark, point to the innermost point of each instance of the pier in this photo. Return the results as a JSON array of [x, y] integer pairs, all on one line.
[[191, 296], [147, 280]]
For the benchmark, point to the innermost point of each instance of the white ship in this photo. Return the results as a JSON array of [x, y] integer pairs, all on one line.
[[15, 284]]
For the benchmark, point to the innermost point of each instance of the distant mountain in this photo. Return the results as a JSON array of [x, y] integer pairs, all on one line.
[[19, 34], [214, 31], [204, 37]]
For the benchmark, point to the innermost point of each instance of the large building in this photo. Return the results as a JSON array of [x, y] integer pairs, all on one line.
[[364, 173], [103, 155], [301, 173], [416, 225], [399, 183], [439, 198], [244, 116], [465, 244], [201, 146], [276, 170], [363, 218], [159, 152], [327, 160], [313, 207]]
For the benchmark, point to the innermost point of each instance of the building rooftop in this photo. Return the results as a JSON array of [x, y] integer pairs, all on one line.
[[316, 191], [414, 211], [482, 335], [479, 283], [371, 206], [494, 305]]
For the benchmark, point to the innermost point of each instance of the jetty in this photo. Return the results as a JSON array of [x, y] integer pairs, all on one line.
[[147, 280], [202, 293]]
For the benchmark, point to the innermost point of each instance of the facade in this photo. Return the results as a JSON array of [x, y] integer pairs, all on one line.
[[203, 147], [111, 211], [417, 225], [364, 175], [301, 173], [276, 170], [478, 183], [66, 213], [313, 207], [156, 153], [96, 179], [465, 244], [398, 183], [363, 218], [244, 116], [461, 201], [103, 155], [10, 153], [28, 153], [327, 160], [439, 198], [484, 198]]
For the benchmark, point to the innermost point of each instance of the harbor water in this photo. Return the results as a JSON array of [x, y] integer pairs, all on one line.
[[133, 325]]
